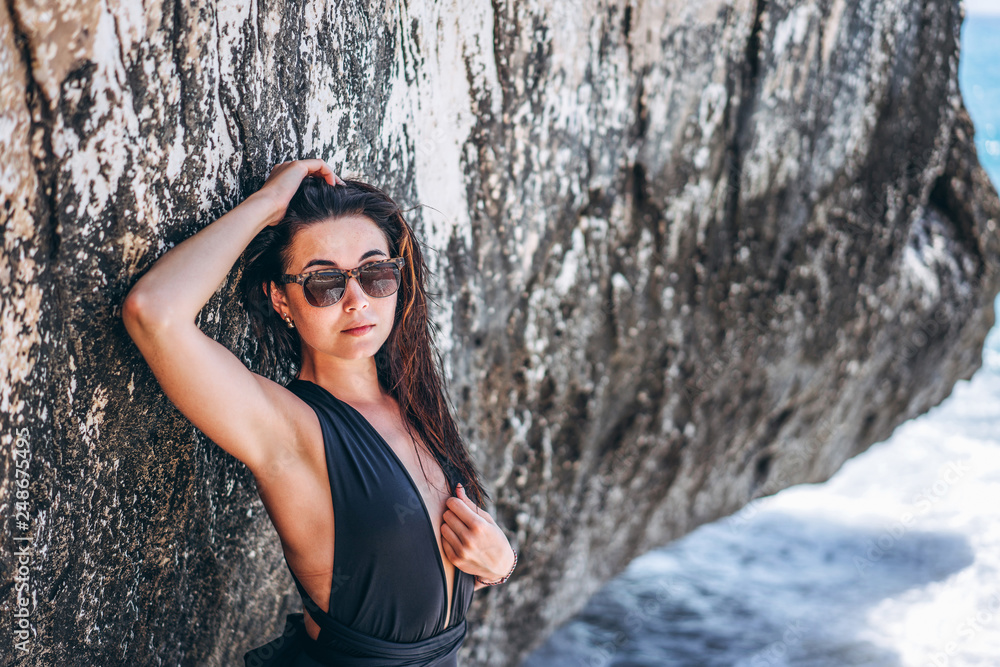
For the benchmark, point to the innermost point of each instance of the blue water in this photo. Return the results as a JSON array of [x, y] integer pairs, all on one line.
[[979, 80], [895, 561]]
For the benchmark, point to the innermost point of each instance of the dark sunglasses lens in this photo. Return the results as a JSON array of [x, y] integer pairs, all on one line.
[[379, 280], [324, 289]]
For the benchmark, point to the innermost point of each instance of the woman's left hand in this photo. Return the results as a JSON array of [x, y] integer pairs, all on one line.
[[473, 541]]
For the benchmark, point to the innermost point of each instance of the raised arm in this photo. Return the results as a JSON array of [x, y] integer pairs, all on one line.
[[253, 418]]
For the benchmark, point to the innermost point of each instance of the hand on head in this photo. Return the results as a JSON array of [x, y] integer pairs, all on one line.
[[285, 179]]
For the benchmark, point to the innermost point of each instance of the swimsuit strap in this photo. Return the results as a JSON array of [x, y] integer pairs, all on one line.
[[373, 651]]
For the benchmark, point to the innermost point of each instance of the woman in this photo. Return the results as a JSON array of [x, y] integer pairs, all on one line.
[[333, 282]]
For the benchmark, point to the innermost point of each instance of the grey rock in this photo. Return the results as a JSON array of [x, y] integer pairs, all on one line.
[[688, 254]]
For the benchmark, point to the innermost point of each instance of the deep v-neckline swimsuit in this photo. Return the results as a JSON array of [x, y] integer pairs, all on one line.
[[389, 591]]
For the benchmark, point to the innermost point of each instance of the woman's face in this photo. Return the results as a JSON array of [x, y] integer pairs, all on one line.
[[342, 243]]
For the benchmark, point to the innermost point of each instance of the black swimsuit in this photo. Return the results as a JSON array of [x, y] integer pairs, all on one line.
[[389, 593]]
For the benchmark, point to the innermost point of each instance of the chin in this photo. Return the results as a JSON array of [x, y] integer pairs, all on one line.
[[361, 349]]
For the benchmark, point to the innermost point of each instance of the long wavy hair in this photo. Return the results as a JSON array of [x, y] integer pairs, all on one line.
[[407, 363]]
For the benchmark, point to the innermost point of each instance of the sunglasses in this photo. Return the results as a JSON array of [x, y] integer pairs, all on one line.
[[325, 288]]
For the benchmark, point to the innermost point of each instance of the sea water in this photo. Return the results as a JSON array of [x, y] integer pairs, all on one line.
[[895, 561]]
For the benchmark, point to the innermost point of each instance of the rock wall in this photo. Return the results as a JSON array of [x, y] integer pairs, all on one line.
[[688, 254]]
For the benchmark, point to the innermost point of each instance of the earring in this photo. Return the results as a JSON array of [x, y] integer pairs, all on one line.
[[288, 321]]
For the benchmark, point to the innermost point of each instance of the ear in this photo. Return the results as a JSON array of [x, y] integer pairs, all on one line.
[[279, 300]]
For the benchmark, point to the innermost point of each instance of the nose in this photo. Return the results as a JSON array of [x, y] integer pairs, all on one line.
[[354, 297]]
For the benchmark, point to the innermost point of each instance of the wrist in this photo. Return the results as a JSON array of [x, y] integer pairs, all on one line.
[[267, 210], [494, 581]]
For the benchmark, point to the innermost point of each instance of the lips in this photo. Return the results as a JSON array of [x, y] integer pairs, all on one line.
[[360, 327]]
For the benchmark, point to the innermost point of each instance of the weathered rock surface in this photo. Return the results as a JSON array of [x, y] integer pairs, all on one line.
[[688, 254]]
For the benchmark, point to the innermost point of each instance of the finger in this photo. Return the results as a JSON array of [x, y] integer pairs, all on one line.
[[468, 501], [450, 537], [312, 165], [334, 179], [331, 177], [323, 169], [450, 553], [452, 521], [465, 496], [462, 509]]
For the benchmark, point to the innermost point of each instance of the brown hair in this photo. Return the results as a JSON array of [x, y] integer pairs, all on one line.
[[407, 363]]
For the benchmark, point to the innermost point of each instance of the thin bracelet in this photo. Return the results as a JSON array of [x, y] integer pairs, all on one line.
[[506, 577]]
